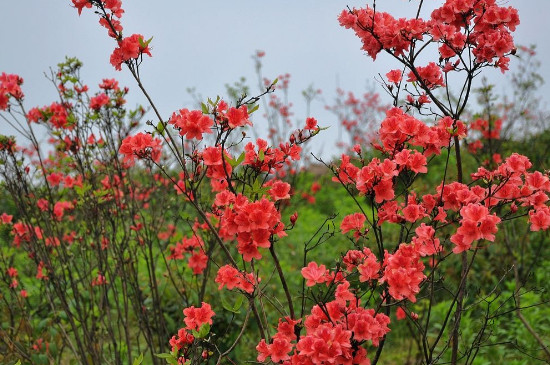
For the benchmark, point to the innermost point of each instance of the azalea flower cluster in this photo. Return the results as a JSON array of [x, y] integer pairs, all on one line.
[[194, 124], [512, 183], [270, 159], [230, 277], [398, 130], [111, 94], [484, 27], [509, 184], [489, 130], [57, 114], [195, 318], [334, 331], [12, 272], [10, 86], [251, 223], [194, 247], [141, 145], [61, 115], [129, 48], [7, 144], [401, 270], [23, 233]]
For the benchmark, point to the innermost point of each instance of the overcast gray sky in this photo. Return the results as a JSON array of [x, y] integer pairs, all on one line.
[[206, 44]]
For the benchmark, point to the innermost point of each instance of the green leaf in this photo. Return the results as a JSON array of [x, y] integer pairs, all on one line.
[[238, 303], [170, 358], [53, 348], [204, 330], [231, 308], [253, 109], [139, 360], [185, 216], [204, 108], [82, 190], [160, 128], [261, 155], [232, 162], [256, 186], [275, 81], [240, 159], [143, 43]]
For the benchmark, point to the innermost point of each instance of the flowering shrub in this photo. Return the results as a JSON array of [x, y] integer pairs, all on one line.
[[108, 215]]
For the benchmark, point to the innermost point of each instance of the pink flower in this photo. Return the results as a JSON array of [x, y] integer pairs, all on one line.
[[81, 4], [54, 178], [41, 272], [430, 75], [98, 101], [142, 145], [311, 124], [109, 84], [10, 86], [263, 351], [366, 325], [60, 207], [326, 344], [413, 212], [129, 48], [400, 314], [369, 269], [343, 294], [425, 242], [115, 6], [394, 76], [198, 262], [315, 187], [293, 218], [279, 349], [233, 278], [191, 124], [99, 280], [253, 224], [280, 190], [12, 272], [196, 317], [383, 191], [540, 218], [237, 117], [403, 272], [182, 339], [476, 223], [352, 222], [6, 218], [314, 274], [412, 159]]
